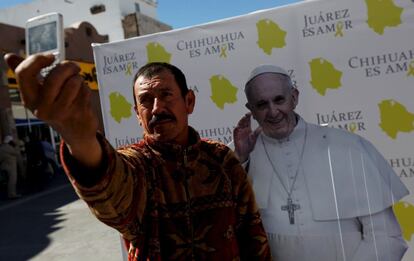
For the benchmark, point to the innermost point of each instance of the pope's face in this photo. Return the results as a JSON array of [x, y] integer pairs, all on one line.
[[161, 109], [272, 101]]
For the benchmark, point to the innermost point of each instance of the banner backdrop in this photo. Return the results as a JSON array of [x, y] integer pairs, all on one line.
[[352, 61]]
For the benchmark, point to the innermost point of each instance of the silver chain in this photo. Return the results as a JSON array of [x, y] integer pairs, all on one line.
[[288, 192]]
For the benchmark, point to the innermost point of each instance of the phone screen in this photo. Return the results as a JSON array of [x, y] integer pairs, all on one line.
[[42, 38]]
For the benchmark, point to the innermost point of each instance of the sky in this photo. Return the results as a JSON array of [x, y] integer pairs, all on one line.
[[183, 13]]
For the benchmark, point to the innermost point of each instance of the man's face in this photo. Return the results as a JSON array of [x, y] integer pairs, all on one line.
[[161, 109], [272, 102]]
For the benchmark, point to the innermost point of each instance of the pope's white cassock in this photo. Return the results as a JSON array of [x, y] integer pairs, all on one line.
[[342, 193]]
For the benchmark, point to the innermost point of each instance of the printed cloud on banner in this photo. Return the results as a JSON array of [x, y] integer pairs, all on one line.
[[270, 35], [324, 76], [222, 91], [395, 118], [404, 212], [410, 71], [119, 107], [382, 14], [157, 53]]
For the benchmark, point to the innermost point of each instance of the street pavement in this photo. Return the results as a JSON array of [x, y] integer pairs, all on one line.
[[54, 224]]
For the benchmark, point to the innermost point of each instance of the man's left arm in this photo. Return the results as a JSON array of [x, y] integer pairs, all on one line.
[[381, 238]]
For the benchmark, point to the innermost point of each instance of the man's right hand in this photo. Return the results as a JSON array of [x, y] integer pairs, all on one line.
[[62, 100], [244, 138]]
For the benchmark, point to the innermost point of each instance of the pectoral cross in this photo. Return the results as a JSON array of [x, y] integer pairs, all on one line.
[[290, 208]]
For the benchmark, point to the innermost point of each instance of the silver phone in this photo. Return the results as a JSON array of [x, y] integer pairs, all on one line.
[[45, 34]]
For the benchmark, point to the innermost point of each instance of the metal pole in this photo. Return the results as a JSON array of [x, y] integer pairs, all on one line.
[[28, 120], [52, 139]]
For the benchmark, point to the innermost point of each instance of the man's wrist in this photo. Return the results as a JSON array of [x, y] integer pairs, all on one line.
[[88, 152], [83, 173]]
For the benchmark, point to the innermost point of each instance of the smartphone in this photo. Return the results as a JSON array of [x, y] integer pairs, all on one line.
[[44, 34]]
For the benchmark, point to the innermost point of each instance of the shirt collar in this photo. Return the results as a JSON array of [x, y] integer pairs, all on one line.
[[174, 151]]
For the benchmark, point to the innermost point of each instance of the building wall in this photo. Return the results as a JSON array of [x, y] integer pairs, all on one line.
[[107, 22], [138, 24], [79, 39], [147, 7], [148, 25], [12, 41]]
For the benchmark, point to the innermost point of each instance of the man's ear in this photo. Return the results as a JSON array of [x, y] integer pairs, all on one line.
[[295, 97], [190, 101], [138, 116]]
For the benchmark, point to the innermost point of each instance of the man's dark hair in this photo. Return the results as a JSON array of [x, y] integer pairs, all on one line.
[[152, 69]]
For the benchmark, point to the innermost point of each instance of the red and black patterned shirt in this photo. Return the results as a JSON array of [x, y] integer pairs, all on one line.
[[174, 203]]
